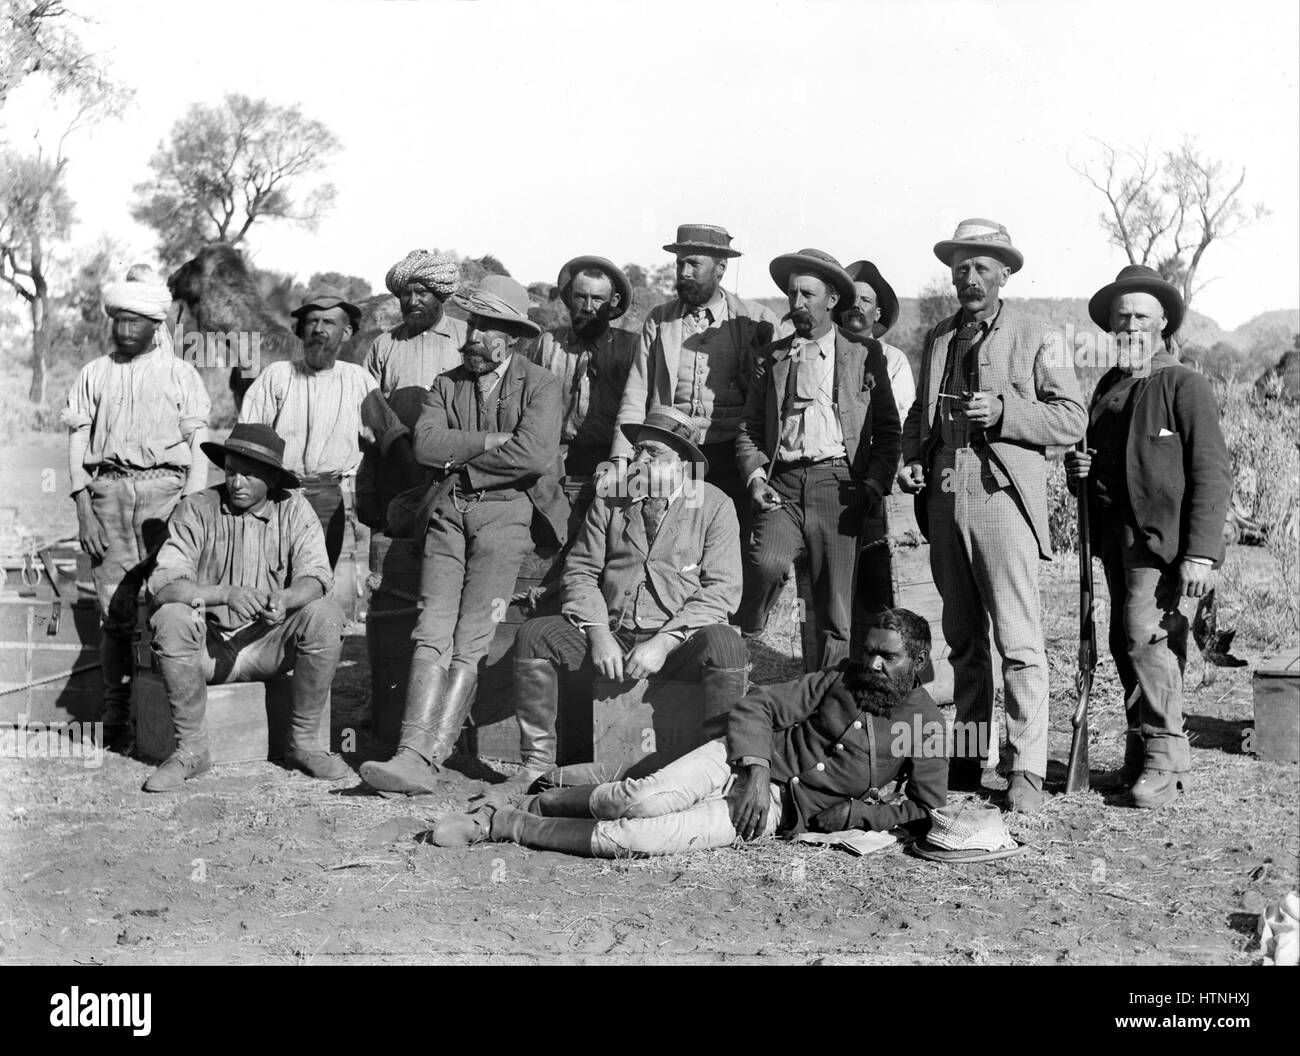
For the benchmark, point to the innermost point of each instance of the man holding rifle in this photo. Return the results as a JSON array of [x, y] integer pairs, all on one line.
[[1158, 484]]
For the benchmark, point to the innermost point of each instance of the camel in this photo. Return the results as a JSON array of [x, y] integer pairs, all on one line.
[[219, 295]]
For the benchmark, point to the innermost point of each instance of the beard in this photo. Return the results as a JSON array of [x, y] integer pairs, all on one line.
[[477, 359], [693, 293], [879, 694], [590, 326], [319, 353], [802, 320], [855, 321]]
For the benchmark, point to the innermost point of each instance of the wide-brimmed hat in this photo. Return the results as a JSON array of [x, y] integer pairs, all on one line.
[[1137, 278], [325, 298], [621, 284], [673, 427], [499, 297], [253, 440], [886, 298], [709, 239], [819, 263], [967, 832], [988, 236]]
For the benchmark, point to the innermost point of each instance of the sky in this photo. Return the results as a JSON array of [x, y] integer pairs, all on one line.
[[540, 130]]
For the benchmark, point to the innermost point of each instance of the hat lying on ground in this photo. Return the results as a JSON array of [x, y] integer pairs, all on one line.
[[967, 832], [253, 440]]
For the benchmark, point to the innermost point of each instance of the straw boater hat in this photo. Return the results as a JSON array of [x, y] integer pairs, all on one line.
[[499, 297], [324, 298], [967, 832], [988, 236], [818, 263], [253, 440], [1137, 278], [674, 428], [708, 239], [886, 299], [620, 281]]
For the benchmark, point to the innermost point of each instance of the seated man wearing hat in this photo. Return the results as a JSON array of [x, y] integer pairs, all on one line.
[[995, 391], [697, 354], [866, 320], [1158, 482], [646, 591], [327, 411], [135, 419], [858, 747], [590, 358], [491, 428], [404, 361], [818, 447], [242, 593]]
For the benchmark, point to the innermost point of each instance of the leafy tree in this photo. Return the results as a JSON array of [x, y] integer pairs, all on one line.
[[1165, 212], [637, 276], [228, 166], [39, 37], [353, 288]]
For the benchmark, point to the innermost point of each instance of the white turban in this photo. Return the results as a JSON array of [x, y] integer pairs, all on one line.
[[142, 292], [440, 273]]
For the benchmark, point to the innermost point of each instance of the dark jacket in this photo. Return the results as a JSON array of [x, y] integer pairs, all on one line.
[[828, 750], [864, 406], [1179, 475], [529, 398]]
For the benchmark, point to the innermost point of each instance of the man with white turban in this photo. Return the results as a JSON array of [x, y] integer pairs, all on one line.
[[136, 417]]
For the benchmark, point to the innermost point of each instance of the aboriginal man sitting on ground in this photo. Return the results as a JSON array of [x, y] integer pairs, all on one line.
[[829, 751]]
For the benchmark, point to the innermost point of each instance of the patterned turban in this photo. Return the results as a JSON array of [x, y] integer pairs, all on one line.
[[441, 274], [143, 292]]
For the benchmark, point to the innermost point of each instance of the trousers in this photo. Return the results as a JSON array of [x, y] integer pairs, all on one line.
[[984, 558], [678, 808], [471, 561], [1148, 639]]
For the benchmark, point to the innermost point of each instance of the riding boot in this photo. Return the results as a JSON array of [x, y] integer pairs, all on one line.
[[571, 802], [537, 699], [411, 769], [449, 720], [723, 687], [187, 693], [568, 835], [117, 666], [1135, 748], [312, 675]]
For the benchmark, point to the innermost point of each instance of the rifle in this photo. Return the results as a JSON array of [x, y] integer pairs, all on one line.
[[1076, 779]]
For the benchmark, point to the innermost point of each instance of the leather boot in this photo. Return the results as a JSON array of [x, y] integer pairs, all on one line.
[[1025, 792], [723, 687], [571, 802], [1134, 756], [409, 772], [313, 673], [117, 665], [568, 835], [457, 702], [537, 701], [1158, 788]]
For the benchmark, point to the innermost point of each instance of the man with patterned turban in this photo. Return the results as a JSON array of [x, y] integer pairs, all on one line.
[[590, 357], [427, 342], [328, 412], [136, 417]]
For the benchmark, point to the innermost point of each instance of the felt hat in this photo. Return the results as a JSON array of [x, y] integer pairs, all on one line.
[[967, 832], [621, 284], [708, 239], [673, 427], [253, 440], [1137, 278], [325, 298], [819, 263], [988, 236], [886, 298], [499, 297]]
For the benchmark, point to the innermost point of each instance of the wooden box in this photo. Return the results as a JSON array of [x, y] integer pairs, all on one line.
[[247, 721], [652, 722], [1277, 708], [49, 659]]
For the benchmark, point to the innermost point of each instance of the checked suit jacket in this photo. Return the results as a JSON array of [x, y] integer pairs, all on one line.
[[1032, 370]]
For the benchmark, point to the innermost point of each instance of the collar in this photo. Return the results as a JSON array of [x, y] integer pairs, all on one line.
[[500, 369], [825, 343], [986, 325], [717, 306], [1159, 360], [677, 491]]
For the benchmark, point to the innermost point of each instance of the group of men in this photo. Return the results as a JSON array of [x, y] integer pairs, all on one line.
[[718, 444]]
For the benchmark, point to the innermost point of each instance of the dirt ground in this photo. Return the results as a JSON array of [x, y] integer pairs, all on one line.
[[253, 864]]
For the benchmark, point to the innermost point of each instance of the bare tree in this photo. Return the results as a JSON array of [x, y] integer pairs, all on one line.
[[228, 166], [1165, 211], [39, 37]]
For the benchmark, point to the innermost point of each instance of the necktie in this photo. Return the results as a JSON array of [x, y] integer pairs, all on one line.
[[959, 360], [483, 385], [795, 398], [697, 321], [652, 515], [581, 387]]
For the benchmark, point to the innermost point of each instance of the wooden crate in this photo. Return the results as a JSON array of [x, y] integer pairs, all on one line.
[[49, 659], [247, 721], [1276, 684], [648, 723]]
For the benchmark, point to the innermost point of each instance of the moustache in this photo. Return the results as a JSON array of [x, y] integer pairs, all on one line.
[[971, 291]]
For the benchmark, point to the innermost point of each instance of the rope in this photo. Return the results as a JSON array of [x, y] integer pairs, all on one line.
[[49, 678]]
